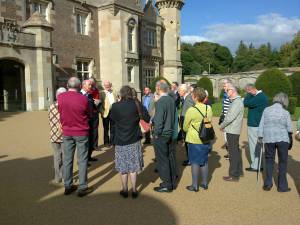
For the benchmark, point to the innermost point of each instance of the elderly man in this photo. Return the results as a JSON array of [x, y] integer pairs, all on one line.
[[163, 129], [232, 125], [93, 128], [256, 101], [225, 107], [108, 97], [56, 137], [187, 102], [74, 113]]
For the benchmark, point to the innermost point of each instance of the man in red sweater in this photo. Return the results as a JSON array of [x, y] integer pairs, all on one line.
[[74, 115]]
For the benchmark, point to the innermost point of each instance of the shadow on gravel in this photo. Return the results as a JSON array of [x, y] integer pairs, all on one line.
[[27, 197], [294, 171], [4, 115], [3, 156]]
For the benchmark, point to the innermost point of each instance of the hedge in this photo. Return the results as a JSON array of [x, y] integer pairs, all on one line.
[[206, 84], [273, 81], [292, 105], [295, 81]]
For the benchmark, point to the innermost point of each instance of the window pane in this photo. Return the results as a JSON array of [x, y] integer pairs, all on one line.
[[79, 66], [86, 76], [85, 66], [78, 23]]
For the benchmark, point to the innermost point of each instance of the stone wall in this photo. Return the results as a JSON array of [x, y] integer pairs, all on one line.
[[239, 79]]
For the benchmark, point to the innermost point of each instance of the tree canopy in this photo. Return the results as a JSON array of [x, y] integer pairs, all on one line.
[[215, 58]]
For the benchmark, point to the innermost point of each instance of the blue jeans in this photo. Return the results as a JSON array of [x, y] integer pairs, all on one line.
[[270, 150], [70, 144]]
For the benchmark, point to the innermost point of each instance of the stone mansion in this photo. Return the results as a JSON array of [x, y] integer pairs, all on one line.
[[44, 42]]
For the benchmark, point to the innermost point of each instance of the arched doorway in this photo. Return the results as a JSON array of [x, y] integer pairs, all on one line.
[[12, 86]]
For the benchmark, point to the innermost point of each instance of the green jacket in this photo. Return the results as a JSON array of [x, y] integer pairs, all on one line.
[[194, 118], [234, 118], [256, 105], [164, 117]]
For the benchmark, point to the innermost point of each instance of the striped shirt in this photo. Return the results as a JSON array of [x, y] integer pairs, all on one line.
[[226, 104]]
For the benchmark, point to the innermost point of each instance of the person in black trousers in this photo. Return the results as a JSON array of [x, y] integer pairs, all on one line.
[[163, 128]]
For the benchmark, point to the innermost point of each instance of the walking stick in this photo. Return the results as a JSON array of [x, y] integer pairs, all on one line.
[[259, 162]]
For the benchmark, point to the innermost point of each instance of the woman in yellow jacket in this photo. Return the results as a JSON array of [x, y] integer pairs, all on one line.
[[198, 152]]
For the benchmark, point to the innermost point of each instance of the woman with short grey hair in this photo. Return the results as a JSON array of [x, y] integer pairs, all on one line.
[[56, 137], [275, 129]]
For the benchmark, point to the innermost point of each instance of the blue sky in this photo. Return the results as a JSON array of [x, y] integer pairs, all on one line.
[[229, 21]]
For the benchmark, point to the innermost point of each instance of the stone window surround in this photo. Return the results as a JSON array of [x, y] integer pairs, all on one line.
[[90, 67], [88, 21], [149, 73], [45, 8]]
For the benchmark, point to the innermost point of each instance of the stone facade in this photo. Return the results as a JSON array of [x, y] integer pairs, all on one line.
[[123, 41]]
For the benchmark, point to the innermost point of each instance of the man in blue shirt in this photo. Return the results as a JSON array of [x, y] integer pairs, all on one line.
[[147, 101]]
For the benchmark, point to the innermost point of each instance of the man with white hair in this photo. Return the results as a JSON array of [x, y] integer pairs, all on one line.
[[163, 130], [86, 91], [56, 137], [232, 125], [74, 113], [108, 97], [187, 102]]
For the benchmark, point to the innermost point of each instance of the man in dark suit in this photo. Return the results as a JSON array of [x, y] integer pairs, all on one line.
[[174, 87], [147, 101], [163, 130], [187, 102], [86, 90]]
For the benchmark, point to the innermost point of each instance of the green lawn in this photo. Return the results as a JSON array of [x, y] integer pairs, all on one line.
[[217, 109]]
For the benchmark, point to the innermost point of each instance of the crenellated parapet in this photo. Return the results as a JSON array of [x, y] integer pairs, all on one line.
[[178, 4]]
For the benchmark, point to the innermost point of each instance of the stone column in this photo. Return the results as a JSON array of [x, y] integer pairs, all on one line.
[[42, 92]]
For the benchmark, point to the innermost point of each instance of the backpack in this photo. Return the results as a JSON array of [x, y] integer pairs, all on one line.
[[206, 131]]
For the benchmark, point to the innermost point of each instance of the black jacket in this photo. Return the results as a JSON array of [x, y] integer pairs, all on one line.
[[125, 129]]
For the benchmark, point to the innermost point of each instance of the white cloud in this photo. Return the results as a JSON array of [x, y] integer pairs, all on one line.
[[272, 28], [192, 39]]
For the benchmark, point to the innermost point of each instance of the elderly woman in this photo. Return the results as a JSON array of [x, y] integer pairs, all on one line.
[[274, 129], [56, 137], [126, 137], [198, 152]]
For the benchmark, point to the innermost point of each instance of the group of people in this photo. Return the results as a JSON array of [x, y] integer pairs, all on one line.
[[175, 113]]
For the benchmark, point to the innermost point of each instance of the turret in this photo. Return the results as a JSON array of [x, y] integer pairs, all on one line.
[[170, 12]]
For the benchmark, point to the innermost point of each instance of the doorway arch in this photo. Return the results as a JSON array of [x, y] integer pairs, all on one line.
[[12, 86]]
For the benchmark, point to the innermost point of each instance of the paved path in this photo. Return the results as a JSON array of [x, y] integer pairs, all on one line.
[[28, 197]]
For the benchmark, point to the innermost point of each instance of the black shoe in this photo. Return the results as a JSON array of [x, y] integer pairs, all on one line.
[[70, 190], [92, 159], [250, 169], [226, 156], [163, 189], [147, 142], [267, 187], [84, 192], [186, 163], [155, 170], [287, 190], [124, 194], [134, 194], [204, 186], [192, 188]]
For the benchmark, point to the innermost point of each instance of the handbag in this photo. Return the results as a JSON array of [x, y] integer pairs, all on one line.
[[206, 131], [145, 127]]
